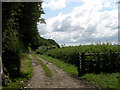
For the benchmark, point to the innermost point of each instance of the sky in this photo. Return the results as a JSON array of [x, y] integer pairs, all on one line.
[[75, 22]]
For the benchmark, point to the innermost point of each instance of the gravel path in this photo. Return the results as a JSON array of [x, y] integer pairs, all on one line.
[[60, 78]]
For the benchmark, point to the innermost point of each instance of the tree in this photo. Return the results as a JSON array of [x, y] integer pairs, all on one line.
[[31, 13], [19, 30]]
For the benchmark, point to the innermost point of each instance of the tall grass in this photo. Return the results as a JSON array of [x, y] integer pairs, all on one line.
[[26, 72], [71, 54]]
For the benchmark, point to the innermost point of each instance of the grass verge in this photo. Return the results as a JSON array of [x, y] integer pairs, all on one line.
[[26, 71], [65, 66], [106, 80], [46, 69]]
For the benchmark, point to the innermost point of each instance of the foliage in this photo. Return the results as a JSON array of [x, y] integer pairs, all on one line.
[[48, 42], [26, 72], [19, 31], [71, 54], [19, 26], [43, 49], [30, 15], [10, 40], [106, 80]]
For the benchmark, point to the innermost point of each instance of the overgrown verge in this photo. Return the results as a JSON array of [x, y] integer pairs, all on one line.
[[26, 71], [46, 69], [70, 54], [65, 66], [106, 80]]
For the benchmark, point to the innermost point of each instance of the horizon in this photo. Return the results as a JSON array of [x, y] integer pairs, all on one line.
[[80, 22]]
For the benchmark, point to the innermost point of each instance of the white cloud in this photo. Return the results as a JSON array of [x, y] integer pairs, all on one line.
[[86, 23], [53, 4]]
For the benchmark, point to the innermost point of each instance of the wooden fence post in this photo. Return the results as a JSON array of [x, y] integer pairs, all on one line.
[[79, 66], [98, 64], [114, 59], [83, 63], [91, 66], [103, 60]]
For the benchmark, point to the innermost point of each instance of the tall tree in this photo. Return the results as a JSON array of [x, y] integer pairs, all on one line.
[[31, 13], [19, 30]]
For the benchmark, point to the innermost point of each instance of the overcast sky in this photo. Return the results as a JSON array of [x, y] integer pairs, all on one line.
[[74, 22]]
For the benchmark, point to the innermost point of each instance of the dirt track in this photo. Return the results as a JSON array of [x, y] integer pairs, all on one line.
[[60, 78]]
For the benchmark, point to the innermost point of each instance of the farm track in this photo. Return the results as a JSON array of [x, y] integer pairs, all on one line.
[[60, 78]]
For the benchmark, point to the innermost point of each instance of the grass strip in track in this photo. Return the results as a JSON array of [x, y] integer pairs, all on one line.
[[107, 80], [65, 66], [26, 72], [46, 69]]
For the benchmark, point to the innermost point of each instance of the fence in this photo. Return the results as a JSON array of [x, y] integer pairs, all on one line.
[[99, 62]]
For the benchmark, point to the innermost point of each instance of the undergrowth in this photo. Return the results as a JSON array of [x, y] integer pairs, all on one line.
[[26, 72]]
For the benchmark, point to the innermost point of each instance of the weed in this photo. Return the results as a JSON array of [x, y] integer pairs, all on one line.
[[26, 71]]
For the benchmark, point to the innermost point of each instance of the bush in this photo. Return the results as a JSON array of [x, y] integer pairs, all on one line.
[[71, 54]]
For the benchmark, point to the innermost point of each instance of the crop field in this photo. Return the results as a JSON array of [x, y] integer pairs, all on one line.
[[71, 54]]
